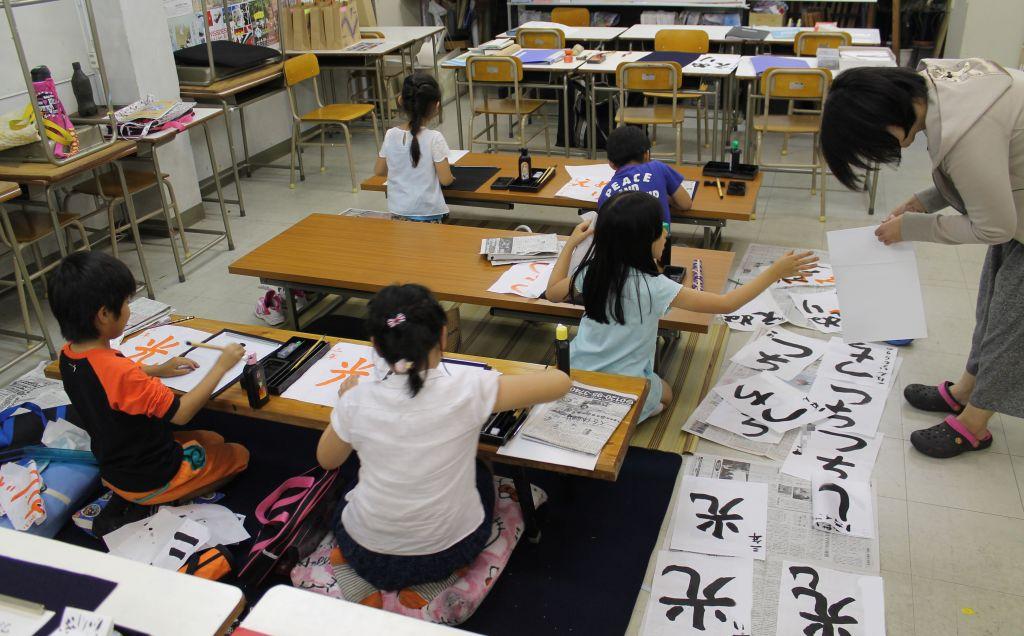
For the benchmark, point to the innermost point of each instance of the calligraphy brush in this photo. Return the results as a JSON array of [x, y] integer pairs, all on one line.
[[305, 356], [158, 324]]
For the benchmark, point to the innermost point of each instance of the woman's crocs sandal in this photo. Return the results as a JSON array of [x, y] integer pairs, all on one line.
[[933, 398], [949, 438]]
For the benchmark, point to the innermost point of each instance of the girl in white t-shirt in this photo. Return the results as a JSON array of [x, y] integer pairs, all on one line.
[[422, 505], [414, 158]]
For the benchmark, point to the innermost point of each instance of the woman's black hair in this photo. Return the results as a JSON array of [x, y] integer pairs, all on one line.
[[84, 283], [862, 103], [627, 224], [419, 94], [405, 322]]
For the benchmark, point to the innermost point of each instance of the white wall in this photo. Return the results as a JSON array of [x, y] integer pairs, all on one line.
[[992, 29]]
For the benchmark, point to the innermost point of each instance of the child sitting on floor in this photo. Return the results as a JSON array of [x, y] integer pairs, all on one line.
[[125, 409], [625, 295], [422, 505], [629, 154], [414, 158]]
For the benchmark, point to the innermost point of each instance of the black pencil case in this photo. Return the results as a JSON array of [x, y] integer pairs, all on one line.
[[278, 365], [501, 427], [534, 183]]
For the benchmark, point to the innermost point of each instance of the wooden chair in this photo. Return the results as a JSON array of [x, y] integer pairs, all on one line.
[[795, 84], [305, 67], [652, 77], [571, 16], [361, 85], [688, 41], [540, 38], [507, 72], [807, 43]]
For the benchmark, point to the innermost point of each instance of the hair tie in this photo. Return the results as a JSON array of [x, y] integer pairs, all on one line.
[[402, 366], [395, 320]]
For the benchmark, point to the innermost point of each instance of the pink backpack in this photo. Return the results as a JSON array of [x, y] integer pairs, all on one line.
[[294, 518]]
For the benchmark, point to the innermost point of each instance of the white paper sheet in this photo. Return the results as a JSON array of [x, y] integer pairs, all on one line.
[[842, 506], [699, 594], [186, 539], [854, 408], [15, 621], [524, 448], [21, 496], [586, 182], [223, 525], [839, 454], [763, 310], [772, 401], [859, 363], [528, 280], [780, 352], [61, 433], [159, 344], [80, 622], [878, 287], [811, 598], [319, 385], [207, 357], [580, 252], [720, 516], [455, 155], [821, 310], [725, 417], [152, 540]]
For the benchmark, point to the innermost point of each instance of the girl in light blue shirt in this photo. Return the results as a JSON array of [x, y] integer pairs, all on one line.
[[624, 293]]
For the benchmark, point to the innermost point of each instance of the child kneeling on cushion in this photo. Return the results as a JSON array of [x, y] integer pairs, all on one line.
[[125, 409], [421, 507]]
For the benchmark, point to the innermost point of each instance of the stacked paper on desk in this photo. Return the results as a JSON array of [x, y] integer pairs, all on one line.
[[586, 182], [520, 249], [145, 312], [583, 420]]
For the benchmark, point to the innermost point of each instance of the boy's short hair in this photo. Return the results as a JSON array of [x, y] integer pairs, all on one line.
[[627, 144], [82, 284]]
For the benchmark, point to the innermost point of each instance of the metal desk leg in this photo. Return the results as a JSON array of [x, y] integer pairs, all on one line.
[[234, 159], [437, 72], [458, 111], [245, 141], [749, 122], [382, 99], [133, 222], [51, 203], [592, 124], [216, 183], [291, 311], [168, 219], [565, 110], [30, 291], [525, 494]]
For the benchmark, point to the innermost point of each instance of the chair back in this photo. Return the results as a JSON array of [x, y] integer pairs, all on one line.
[[649, 76], [300, 68], [371, 35], [795, 83], [495, 69], [808, 42], [540, 38], [571, 16], [682, 40]]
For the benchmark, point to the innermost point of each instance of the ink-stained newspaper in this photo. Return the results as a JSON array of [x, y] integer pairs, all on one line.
[[791, 536], [582, 420]]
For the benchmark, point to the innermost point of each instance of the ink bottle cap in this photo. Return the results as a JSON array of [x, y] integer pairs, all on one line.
[[250, 358], [561, 332]]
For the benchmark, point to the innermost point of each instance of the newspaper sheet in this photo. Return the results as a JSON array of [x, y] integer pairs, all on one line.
[[36, 388], [582, 420], [790, 535]]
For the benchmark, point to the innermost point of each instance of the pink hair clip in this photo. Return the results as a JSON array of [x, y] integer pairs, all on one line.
[[395, 321]]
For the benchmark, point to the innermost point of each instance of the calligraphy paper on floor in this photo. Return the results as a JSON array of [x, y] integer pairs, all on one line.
[[699, 594], [726, 417], [842, 455], [164, 540], [528, 280], [206, 358], [763, 310], [157, 345], [842, 506], [819, 276], [781, 352], [821, 310], [224, 526], [772, 401], [817, 600], [859, 363], [21, 497], [878, 287], [854, 408], [720, 516], [319, 384]]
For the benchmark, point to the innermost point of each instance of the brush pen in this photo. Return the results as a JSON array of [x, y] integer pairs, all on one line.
[[718, 182], [203, 345]]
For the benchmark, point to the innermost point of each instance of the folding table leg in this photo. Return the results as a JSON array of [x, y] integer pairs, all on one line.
[[234, 159], [216, 183], [168, 218]]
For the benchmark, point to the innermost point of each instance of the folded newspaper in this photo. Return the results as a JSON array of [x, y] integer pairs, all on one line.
[[516, 249], [582, 420]]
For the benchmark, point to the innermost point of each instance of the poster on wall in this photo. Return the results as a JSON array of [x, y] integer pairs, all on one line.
[[247, 22]]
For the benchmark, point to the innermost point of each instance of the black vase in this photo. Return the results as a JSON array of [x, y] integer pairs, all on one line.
[[83, 91]]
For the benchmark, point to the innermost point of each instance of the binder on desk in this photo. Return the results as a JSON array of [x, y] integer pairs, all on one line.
[[762, 62], [746, 33], [540, 56]]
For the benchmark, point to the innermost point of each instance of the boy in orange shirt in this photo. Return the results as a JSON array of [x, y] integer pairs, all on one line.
[[126, 410]]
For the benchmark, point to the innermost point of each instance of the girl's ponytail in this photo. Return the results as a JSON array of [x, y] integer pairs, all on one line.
[[405, 322], [419, 94]]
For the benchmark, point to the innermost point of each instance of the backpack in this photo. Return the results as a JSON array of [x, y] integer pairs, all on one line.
[[294, 518]]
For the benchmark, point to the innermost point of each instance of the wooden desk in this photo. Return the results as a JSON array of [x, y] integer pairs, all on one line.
[[708, 210], [360, 256], [8, 191], [147, 599], [236, 93], [289, 611]]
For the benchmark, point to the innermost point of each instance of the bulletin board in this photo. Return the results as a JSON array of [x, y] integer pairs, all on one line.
[[246, 22]]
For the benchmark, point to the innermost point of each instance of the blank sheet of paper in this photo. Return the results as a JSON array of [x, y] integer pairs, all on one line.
[[878, 286]]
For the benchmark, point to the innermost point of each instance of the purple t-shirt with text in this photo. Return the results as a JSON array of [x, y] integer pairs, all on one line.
[[655, 178]]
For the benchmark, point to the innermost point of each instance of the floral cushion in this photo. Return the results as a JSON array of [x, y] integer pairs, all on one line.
[[451, 601]]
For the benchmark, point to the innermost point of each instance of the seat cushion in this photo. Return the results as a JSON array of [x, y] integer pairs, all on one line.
[[788, 123], [508, 106], [449, 602], [657, 114], [338, 112]]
